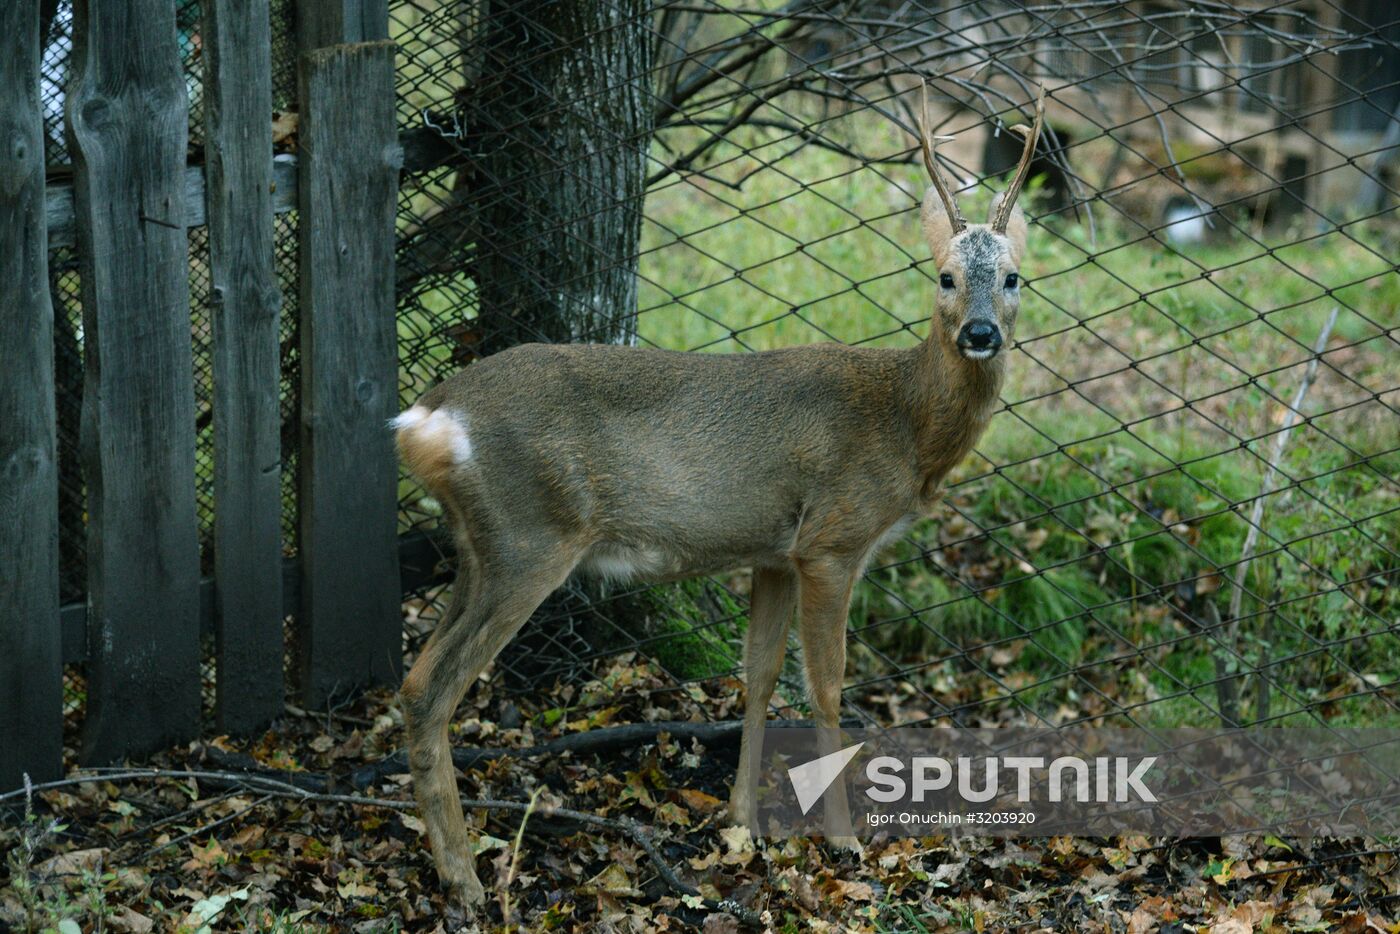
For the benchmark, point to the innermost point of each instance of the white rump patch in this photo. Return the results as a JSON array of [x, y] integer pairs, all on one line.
[[409, 417], [434, 427]]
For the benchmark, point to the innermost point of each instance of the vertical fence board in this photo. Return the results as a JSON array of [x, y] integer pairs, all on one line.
[[247, 366], [349, 629], [31, 671], [128, 122], [330, 22]]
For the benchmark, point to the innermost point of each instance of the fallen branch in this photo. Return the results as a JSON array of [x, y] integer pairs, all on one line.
[[718, 733], [588, 742], [638, 832]]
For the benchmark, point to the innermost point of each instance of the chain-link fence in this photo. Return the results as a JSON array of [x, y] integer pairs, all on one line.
[[1184, 512]]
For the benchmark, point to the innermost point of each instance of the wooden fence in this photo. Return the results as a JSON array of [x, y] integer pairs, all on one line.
[[131, 200]]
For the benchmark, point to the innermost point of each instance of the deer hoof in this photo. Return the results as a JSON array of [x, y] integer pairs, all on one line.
[[467, 893], [846, 844]]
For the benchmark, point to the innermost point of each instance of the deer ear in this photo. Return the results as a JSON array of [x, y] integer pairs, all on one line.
[[938, 227], [1015, 227]]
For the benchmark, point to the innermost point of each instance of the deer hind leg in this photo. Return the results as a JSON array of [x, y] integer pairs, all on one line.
[[770, 615], [825, 602], [498, 600]]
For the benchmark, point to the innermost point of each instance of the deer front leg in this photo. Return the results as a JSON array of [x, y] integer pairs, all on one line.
[[770, 613], [826, 599]]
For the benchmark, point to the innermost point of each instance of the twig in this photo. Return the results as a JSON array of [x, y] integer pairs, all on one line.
[[353, 720], [188, 813], [236, 779], [1256, 515], [198, 831], [1227, 686], [515, 854], [638, 832], [741, 116], [717, 71]]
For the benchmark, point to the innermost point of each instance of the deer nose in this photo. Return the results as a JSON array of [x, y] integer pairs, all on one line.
[[980, 335]]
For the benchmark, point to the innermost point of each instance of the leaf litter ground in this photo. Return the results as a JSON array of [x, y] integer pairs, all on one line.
[[158, 854]]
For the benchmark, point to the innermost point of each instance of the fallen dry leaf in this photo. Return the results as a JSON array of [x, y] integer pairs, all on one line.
[[611, 881], [720, 922], [74, 862], [1231, 926], [698, 801], [127, 921], [738, 846], [1141, 922]]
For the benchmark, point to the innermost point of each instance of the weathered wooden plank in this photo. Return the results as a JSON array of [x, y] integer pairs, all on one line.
[[58, 199], [247, 367], [350, 625], [425, 559], [31, 672], [329, 22], [128, 122]]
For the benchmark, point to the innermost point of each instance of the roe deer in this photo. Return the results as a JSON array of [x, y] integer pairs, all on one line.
[[643, 464]]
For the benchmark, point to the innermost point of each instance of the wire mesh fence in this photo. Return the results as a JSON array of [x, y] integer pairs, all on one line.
[[1183, 512]]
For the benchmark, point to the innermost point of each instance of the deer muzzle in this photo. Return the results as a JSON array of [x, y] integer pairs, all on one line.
[[979, 340]]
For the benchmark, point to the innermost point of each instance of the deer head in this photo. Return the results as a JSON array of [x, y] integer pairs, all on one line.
[[978, 264]]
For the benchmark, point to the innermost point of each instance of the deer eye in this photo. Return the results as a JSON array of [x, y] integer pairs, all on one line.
[[946, 280], [1012, 281]]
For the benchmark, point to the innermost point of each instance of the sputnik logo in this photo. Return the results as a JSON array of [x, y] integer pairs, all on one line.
[[811, 779]]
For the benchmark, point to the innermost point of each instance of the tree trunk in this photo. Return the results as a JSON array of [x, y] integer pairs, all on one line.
[[547, 211], [559, 122]]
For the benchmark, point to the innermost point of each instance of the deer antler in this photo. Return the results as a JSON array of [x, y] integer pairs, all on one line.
[[926, 142], [1032, 135]]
